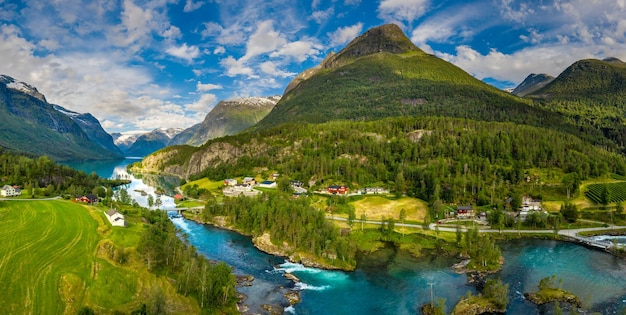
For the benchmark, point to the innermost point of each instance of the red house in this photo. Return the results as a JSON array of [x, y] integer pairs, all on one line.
[[338, 189]]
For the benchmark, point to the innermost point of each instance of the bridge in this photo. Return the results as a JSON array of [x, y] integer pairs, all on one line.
[[180, 210]]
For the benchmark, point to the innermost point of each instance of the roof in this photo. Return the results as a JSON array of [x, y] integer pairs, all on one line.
[[267, 182], [111, 212], [464, 208], [178, 196], [5, 187], [248, 178]]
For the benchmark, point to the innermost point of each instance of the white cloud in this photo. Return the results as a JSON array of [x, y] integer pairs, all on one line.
[[265, 39], [322, 16], [298, 50], [345, 34], [270, 68], [184, 52], [202, 105], [172, 32], [402, 10], [236, 67], [207, 87], [219, 50], [191, 6]]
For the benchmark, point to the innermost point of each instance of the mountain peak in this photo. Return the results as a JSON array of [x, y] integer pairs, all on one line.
[[23, 87], [615, 61], [387, 38]]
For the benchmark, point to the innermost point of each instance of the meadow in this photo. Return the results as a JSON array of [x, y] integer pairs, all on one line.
[[55, 257]]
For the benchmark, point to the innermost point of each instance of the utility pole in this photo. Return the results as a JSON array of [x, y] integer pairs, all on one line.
[[431, 295]]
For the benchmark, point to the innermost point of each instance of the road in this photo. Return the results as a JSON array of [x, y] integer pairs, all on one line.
[[568, 233], [33, 199]]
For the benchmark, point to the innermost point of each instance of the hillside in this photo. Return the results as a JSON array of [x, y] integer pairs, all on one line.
[[29, 124], [591, 94], [455, 160], [92, 128], [382, 74], [232, 116]]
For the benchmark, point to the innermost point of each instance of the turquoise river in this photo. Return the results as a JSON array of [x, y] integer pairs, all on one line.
[[390, 281]]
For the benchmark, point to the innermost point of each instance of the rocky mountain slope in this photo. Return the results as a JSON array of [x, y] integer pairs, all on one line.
[[232, 116], [532, 83], [29, 124]]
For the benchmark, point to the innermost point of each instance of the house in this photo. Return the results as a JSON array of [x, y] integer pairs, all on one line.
[[334, 189], [268, 184], [230, 182], [240, 189], [10, 191], [296, 183], [274, 176], [464, 212], [529, 204], [89, 198], [179, 197], [116, 218], [248, 181]]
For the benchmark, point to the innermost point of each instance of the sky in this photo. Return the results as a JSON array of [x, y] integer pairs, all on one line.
[[137, 65]]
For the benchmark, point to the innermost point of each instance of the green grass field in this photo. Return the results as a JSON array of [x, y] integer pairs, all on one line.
[[53, 260]]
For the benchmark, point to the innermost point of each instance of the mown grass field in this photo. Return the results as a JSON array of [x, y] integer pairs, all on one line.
[[53, 260], [375, 207]]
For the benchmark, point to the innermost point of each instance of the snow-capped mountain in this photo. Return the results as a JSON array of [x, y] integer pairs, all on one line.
[[142, 144]]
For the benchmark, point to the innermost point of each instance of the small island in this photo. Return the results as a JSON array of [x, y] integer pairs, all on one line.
[[550, 292]]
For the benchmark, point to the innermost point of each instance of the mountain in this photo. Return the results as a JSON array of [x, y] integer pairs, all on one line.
[[232, 116], [29, 124], [532, 83], [124, 140], [184, 135], [152, 141], [591, 94], [92, 128], [382, 74]]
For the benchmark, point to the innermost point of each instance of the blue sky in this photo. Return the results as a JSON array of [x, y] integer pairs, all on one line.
[[140, 65]]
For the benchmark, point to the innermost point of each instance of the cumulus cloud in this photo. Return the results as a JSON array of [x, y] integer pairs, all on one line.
[[265, 39], [299, 50], [322, 16], [188, 53], [236, 67], [207, 87], [402, 10], [203, 104], [345, 34], [270, 68], [219, 50]]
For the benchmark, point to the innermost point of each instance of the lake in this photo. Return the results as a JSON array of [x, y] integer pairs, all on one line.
[[391, 282]]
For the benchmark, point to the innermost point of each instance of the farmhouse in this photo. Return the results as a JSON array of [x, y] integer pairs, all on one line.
[[248, 181], [240, 189], [464, 212], [10, 191], [334, 189], [374, 191], [230, 182], [296, 183], [116, 218], [89, 198], [268, 184]]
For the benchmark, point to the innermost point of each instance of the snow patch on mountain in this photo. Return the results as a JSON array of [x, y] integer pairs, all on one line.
[[11, 83]]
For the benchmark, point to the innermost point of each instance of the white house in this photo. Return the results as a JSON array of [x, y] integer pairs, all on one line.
[[230, 182], [116, 218], [248, 181], [9, 191]]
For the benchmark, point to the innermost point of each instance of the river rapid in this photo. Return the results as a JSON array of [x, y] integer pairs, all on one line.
[[393, 282]]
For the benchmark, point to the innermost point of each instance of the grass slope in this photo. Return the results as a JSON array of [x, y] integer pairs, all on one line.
[[53, 260]]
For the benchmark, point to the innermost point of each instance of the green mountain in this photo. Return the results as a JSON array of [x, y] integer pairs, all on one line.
[[232, 116], [591, 93], [382, 74], [29, 124]]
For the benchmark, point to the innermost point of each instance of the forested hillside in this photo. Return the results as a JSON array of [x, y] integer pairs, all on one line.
[[432, 158], [590, 94]]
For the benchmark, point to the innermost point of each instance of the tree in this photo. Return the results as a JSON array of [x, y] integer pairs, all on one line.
[[150, 201], [158, 202], [605, 195], [497, 292], [363, 219], [400, 184], [569, 212], [402, 218], [351, 216]]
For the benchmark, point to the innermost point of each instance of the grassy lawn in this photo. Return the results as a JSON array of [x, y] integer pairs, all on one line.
[[204, 183], [53, 261], [375, 207]]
